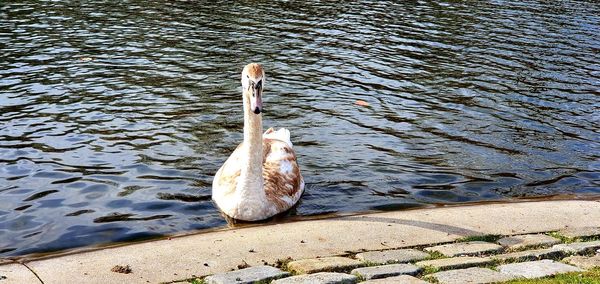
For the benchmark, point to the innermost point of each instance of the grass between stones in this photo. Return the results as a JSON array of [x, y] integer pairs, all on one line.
[[435, 255], [568, 240], [370, 263], [482, 238], [562, 238], [429, 270], [588, 277]]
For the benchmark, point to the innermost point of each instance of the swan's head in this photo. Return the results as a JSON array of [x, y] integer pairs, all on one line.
[[253, 81]]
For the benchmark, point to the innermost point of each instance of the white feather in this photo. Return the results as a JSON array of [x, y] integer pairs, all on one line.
[[282, 134]]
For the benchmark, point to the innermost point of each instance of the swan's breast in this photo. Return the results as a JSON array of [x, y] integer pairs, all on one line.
[[227, 178]]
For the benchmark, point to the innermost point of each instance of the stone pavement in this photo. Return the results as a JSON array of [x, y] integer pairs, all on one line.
[[370, 245], [445, 264]]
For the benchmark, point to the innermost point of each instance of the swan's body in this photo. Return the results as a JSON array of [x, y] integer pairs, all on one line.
[[261, 178]]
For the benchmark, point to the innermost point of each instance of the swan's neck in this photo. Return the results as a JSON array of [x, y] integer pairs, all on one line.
[[250, 185]]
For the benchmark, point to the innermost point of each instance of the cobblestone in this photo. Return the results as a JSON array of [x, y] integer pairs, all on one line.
[[585, 262], [382, 271], [471, 275], [580, 247], [535, 269], [392, 256], [530, 255], [455, 262], [466, 248], [247, 275], [330, 264], [321, 278], [402, 279], [528, 241], [581, 232]]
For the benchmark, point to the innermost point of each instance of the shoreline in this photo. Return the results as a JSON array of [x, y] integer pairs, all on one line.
[[284, 220], [200, 254]]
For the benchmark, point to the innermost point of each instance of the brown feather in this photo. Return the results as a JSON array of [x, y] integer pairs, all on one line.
[[280, 187], [255, 70]]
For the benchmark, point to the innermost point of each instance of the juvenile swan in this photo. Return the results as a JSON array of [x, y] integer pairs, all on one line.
[[261, 178]]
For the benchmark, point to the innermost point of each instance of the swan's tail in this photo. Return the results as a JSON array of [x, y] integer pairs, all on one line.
[[282, 134]]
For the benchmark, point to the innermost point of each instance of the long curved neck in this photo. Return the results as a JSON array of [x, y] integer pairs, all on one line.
[[251, 179]]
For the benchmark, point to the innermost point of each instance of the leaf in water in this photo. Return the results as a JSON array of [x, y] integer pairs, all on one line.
[[361, 103]]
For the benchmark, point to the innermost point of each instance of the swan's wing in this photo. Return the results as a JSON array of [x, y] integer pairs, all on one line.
[[283, 182], [227, 177]]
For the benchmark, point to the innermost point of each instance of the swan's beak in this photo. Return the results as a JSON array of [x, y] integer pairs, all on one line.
[[256, 100]]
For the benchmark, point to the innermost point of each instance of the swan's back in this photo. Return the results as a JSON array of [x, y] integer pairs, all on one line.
[[283, 182]]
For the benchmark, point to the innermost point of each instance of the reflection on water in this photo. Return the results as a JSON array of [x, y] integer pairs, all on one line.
[[114, 116]]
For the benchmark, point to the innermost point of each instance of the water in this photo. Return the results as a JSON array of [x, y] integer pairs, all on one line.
[[114, 116]]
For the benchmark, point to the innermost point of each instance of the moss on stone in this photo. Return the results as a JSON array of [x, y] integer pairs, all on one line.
[[435, 255], [562, 238], [481, 238], [196, 281]]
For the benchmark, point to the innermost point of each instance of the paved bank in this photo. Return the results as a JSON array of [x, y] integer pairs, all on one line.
[[215, 252]]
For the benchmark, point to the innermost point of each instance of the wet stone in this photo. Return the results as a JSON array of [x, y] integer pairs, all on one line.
[[247, 275], [580, 247], [581, 232], [466, 248], [455, 262], [528, 241], [536, 269], [402, 279], [392, 256], [585, 262], [530, 255], [471, 275], [383, 271], [321, 277], [331, 264]]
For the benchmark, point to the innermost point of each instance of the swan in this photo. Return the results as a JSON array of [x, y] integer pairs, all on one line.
[[261, 178]]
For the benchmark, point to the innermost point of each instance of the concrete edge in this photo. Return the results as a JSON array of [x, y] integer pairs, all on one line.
[[219, 251]]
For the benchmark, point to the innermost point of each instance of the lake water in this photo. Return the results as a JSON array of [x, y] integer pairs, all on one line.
[[115, 115]]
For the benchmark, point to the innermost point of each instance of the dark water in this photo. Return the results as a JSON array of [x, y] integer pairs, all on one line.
[[114, 116]]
